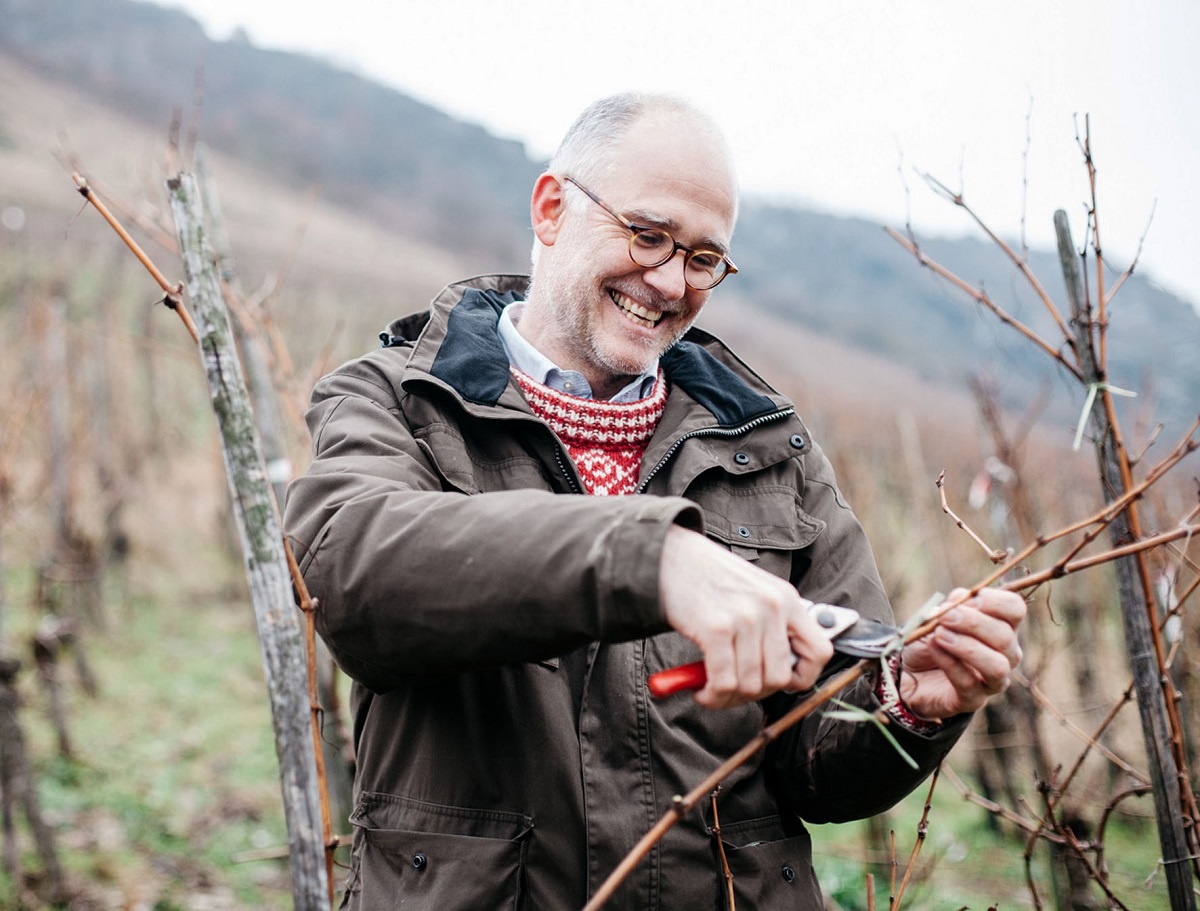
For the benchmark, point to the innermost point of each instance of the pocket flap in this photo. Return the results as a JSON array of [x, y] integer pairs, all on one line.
[[390, 811], [763, 517]]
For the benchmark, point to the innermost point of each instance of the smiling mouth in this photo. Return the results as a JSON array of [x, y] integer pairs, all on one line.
[[635, 312]]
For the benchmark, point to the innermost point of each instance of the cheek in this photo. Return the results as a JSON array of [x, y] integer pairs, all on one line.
[[695, 301]]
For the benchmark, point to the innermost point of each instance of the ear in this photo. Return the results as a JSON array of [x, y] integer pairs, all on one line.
[[547, 207]]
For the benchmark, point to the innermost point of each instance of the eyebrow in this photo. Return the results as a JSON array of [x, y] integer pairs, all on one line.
[[644, 219]]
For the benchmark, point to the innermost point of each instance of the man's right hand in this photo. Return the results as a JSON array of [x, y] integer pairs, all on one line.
[[753, 629]]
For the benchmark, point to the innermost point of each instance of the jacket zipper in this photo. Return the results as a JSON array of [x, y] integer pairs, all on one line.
[[562, 466], [711, 432]]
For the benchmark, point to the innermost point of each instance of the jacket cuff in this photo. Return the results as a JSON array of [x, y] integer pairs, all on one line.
[[632, 554], [887, 691]]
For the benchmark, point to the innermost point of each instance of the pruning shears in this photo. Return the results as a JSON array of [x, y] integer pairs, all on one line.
[[850, 633]]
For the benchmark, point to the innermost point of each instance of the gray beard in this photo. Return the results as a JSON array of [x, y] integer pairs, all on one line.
[[570, 310]]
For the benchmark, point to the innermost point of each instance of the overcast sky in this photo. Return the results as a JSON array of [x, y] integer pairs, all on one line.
[[835, 105]]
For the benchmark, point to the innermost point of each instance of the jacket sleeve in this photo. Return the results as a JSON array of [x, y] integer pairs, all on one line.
[[415, 579], [827, 769]]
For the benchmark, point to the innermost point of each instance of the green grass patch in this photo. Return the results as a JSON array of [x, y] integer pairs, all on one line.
[[173, 771], [965, 862]]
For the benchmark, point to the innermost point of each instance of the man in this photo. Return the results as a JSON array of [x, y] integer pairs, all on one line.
[[500, 630]]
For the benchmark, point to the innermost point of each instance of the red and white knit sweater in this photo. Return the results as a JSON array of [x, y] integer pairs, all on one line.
[[605, 440]]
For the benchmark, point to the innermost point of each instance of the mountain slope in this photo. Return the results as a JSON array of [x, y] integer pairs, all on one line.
[[444, 185], [406, 164]]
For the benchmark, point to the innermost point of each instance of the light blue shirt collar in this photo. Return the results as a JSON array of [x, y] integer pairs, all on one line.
[[527, 359]]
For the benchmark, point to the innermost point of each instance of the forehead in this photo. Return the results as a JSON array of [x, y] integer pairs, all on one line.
[[675, 172]]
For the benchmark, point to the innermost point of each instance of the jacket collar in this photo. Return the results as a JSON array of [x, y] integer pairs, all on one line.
[[457, 342]]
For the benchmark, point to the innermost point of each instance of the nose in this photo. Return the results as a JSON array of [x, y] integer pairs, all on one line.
[[667, 278]]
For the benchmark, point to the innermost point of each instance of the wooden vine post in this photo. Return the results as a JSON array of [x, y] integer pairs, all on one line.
[[1142, 643], [268, 419], [279, 630]]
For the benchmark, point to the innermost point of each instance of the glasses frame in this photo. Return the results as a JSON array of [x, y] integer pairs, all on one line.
[[635, 230]]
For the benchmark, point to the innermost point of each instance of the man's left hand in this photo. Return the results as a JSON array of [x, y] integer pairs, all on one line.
[[967, 659]]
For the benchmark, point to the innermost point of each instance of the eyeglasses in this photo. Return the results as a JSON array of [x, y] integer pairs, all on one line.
[[650, 247]]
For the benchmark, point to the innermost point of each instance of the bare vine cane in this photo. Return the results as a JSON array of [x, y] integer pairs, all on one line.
[[683, 804], [308, 605], [716, 834], [172, 294], [1176, 810], [922, 831]]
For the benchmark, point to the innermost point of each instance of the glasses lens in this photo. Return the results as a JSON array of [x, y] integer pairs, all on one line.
[[651, 247], [704, 269]]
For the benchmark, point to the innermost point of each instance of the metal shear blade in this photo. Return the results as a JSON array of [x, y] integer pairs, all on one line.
[[851, 633]]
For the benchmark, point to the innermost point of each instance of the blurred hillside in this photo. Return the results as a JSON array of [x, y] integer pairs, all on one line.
[[453, 200]]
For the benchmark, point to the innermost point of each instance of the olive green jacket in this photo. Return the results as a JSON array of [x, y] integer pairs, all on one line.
[[500, 628]]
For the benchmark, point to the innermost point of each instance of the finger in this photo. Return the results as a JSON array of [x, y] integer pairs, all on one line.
[[1008, 606], [966, 682], [778, 658], [811, 648], [748, 648], [970, 690], [720, 669], [972, 621], [989, 665]]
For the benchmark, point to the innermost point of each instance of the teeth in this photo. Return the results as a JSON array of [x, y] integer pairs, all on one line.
[[640, 314]]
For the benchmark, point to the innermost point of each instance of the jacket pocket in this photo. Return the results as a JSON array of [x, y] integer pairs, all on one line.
[[763, 523], [481, 463], [772, 874], [429, 857]]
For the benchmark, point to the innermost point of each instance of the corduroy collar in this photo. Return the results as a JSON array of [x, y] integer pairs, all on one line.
[[471, 358]]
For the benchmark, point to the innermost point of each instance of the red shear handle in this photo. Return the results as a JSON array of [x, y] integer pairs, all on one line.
[[677, 679]]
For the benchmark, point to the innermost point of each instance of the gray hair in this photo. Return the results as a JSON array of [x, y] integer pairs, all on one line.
[[582, 152]]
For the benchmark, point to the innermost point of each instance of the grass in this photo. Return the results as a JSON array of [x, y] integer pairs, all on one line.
[[965, 863], [174, 770]]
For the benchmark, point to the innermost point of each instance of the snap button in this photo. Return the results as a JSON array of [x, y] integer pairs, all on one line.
[[797, 441], [789, 875], [420, 861], [741, 458], [743, 531]]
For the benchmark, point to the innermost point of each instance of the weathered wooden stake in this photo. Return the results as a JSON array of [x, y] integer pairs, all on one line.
[[254, 356], [279, 630], [1140, 644], [268, 418]]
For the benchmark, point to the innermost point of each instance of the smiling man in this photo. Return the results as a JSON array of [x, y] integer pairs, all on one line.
[[592, 304], [544, 490]]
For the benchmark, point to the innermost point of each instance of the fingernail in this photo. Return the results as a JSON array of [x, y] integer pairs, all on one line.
[[952, 616], [946, 637]]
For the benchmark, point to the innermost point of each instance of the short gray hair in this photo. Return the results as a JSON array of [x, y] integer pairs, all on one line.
[[582, 152]]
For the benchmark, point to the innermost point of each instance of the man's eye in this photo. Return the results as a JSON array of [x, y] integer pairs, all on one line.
[[705, 261], [651, 240]]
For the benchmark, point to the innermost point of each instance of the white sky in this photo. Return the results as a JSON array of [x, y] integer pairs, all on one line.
[[827, 103]]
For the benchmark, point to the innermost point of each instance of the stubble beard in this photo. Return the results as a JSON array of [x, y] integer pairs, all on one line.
[[574, 308]]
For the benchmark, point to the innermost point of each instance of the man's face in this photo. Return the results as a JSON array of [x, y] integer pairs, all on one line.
[[591, 308]]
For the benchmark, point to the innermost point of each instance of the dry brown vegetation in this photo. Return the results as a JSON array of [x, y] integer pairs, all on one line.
[[139, 487]]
